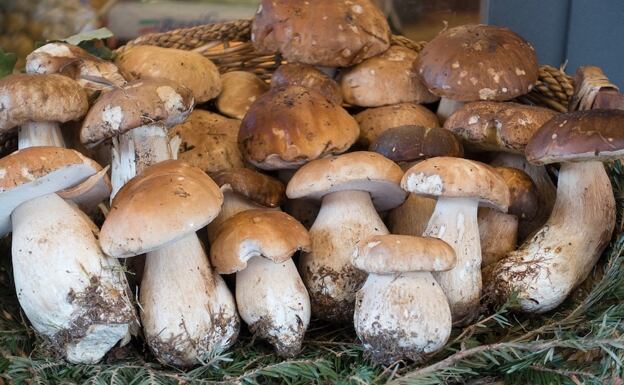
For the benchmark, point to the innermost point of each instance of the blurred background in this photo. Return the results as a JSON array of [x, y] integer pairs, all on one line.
[[570, 32]]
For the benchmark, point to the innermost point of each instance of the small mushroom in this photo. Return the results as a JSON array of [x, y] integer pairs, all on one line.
[[304, 75], [401, 311], [240, 90]]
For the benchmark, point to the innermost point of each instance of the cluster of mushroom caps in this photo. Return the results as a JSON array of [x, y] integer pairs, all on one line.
[[450, 222]]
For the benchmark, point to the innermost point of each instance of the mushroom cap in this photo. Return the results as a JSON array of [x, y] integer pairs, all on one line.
[[208, 141], [240, 89], [411, 143], [360, 170], [36, 171], [523, 195], [374, 121], [305, 75], [271, 234], [91, 192], [322, 32], [385, 79], [391, 254], [457, 178], [40, 98], [137, 103], [163, 204], [578, 136], [498, 126], [189, 69], [478, 62], [287, 127], [258, 187]]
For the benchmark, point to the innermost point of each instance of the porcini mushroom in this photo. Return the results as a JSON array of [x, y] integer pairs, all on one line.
[[304, 75], [239, 90]]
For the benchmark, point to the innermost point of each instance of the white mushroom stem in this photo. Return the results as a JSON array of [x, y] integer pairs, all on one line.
[[69, 290], [454, 221], [273, 301], [233, 203], [36, 134], [447, 107], [345, 218], [561, 255], [188, 313], [400, 316]]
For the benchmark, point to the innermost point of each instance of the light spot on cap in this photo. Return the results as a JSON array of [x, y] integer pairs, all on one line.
[[455, 65], [2, 173], [252, 98], [462, 74], [370, 245], [473, 119], [425, 184], [259, 9], [27, 174], [357, 8], [520, 72], [112, 116], [554, 136], [55, 49], [487, 93], [173, 100], [474, 81]]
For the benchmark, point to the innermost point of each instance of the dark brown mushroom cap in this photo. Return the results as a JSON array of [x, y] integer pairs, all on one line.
[[304, 75], [287, 127], [579, 136], [258, 187], [523, 201], [478, 62], [498, 126], [321, 32], [411, 143], [40, 98]]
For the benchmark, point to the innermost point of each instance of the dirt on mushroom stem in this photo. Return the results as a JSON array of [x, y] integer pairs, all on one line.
[[265, 329]]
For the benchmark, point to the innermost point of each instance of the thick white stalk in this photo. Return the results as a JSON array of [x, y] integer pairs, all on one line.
[[36, 134], [233, 204], [447, 107], [345, 218], [454, 221]]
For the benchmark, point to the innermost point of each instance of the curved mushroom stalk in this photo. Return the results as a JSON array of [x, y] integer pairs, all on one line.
[[70, 291], [273, 301], [447, 107], [34, 134], [560, 256], [188, 313]]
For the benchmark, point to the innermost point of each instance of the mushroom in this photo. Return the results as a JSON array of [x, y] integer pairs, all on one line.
[[592, 89], [401, 311], [548, 266], [388, 78], [240, 89], [258, 245], [351, 186], [304, 75], [187, 311], [476, 62], [90, 193], [460, 185]]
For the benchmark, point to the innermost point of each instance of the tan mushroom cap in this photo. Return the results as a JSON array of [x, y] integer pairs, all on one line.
[[389, 78], [412, 143], [260, 188], [91, 192], [189, 69], [391, 254], [498, 126], [288, 127], [322, 32], [457, 178], [36, 171], [40, 98], [523, 194], [579, 136], [360, 170], [274, 235], [208, 141], [240, 90], [165, 203], [138, 103], [304, 75], [374, 121], [478, 62]]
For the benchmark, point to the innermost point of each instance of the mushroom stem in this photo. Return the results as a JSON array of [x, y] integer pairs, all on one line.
[[188, 313], [454, 221], [35, 134], [345, 218], [561, 255], [273, 301], [233, 204], [447, 107]]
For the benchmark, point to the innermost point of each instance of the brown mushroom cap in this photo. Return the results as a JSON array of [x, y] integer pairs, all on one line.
[[360, 170], [457, 178], [40, 98], [321, 32], [287, 127], [478, 62], [165, 203], [385, 79], [189, 69], [240, 89], [208, 141], [138, 103], [523, 201], [411, 143], [374, 121], [258, 187], [304, 75], [91, 192], [579, 136], [391, 254], [274, 235], [498, 126]]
